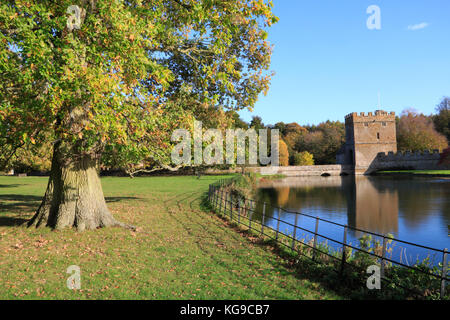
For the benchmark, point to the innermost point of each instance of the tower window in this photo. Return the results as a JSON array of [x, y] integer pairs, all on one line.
[[384, 124], [366, 124], [378, 135]]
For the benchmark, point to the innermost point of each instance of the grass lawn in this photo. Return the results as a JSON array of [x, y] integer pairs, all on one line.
[[420, 172], [181, 250]]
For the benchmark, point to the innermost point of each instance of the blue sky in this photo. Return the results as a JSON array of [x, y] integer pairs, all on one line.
[[328, 63]]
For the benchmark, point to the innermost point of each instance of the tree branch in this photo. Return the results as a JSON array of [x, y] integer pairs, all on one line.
[[162, 167]]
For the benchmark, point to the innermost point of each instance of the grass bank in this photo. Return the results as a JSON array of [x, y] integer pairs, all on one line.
[[181, 251], [428, 173]]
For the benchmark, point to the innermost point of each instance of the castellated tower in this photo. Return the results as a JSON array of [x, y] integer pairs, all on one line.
[[365, 136]]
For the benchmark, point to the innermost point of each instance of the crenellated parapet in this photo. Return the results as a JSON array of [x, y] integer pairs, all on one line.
[[425, 160], [369, 114], [378, 115], [408, 155]]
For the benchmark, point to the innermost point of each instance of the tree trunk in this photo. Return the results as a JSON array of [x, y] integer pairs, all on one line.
[[74, 197]]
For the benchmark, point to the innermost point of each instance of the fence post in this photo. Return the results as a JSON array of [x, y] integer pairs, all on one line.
[[295, 231], [344, 251], [216, 197], [278, 224], [383, 255], [444, 273], [225, 208], [239, 210], [231, 206], [263, 218], [315, 238], [250, 213], [221, 201]]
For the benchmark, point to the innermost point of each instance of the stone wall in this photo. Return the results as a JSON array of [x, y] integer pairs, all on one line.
[[427, 160], [301, 171], [291, 171]]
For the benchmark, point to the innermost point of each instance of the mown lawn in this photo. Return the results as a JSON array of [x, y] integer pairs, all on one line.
[[419, 172], [181, 250]]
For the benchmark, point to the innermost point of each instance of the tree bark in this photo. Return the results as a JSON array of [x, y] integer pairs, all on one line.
[[74, 197]]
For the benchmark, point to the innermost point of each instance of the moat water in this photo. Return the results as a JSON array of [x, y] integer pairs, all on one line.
[[411, 209]]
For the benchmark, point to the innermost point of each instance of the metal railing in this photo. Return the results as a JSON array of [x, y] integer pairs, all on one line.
[[242, 210]]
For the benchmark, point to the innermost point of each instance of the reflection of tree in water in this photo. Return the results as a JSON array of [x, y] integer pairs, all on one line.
[[283, 196], [419, 196], [299, 199], [327, 197], [445, 204], [270, 197]]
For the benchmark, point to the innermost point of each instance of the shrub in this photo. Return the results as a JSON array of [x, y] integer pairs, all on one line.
[[303, 158]]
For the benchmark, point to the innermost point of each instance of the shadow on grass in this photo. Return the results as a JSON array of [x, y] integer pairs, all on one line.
[[19, 197], [118, 199], [18, 204], [12, 221], [29, 200], [11, 185], [204, 203]]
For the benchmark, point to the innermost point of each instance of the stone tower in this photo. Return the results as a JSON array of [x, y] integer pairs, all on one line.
[[365, 136]]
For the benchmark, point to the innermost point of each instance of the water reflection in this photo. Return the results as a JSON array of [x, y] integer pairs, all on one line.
[[372, 205], [412, 209]]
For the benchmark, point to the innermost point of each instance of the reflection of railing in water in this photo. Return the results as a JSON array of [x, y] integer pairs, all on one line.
[[246, 208]]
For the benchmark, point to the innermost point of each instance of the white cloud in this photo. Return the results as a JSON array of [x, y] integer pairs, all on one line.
[[419, 26]]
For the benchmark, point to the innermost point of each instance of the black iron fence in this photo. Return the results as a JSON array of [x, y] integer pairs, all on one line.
[[243, 212]]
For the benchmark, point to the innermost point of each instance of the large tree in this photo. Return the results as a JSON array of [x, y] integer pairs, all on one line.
[[416, 132], [292, 133], [120, 76], [442, 118]]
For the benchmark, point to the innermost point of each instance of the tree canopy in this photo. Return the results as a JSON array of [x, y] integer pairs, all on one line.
[[115, 78], [416, 132], [132, 72], [442, 118]]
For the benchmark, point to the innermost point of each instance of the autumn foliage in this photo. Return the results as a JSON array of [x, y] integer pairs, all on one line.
[[416, 132], [303, 158], [283, 153]]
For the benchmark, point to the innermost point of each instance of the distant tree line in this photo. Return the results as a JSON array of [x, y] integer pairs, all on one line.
[[319, 144], [300, 145]]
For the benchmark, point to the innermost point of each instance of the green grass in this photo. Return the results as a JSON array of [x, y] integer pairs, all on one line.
[[181, 250], [419, 172], [404, 284], [271, 176]]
